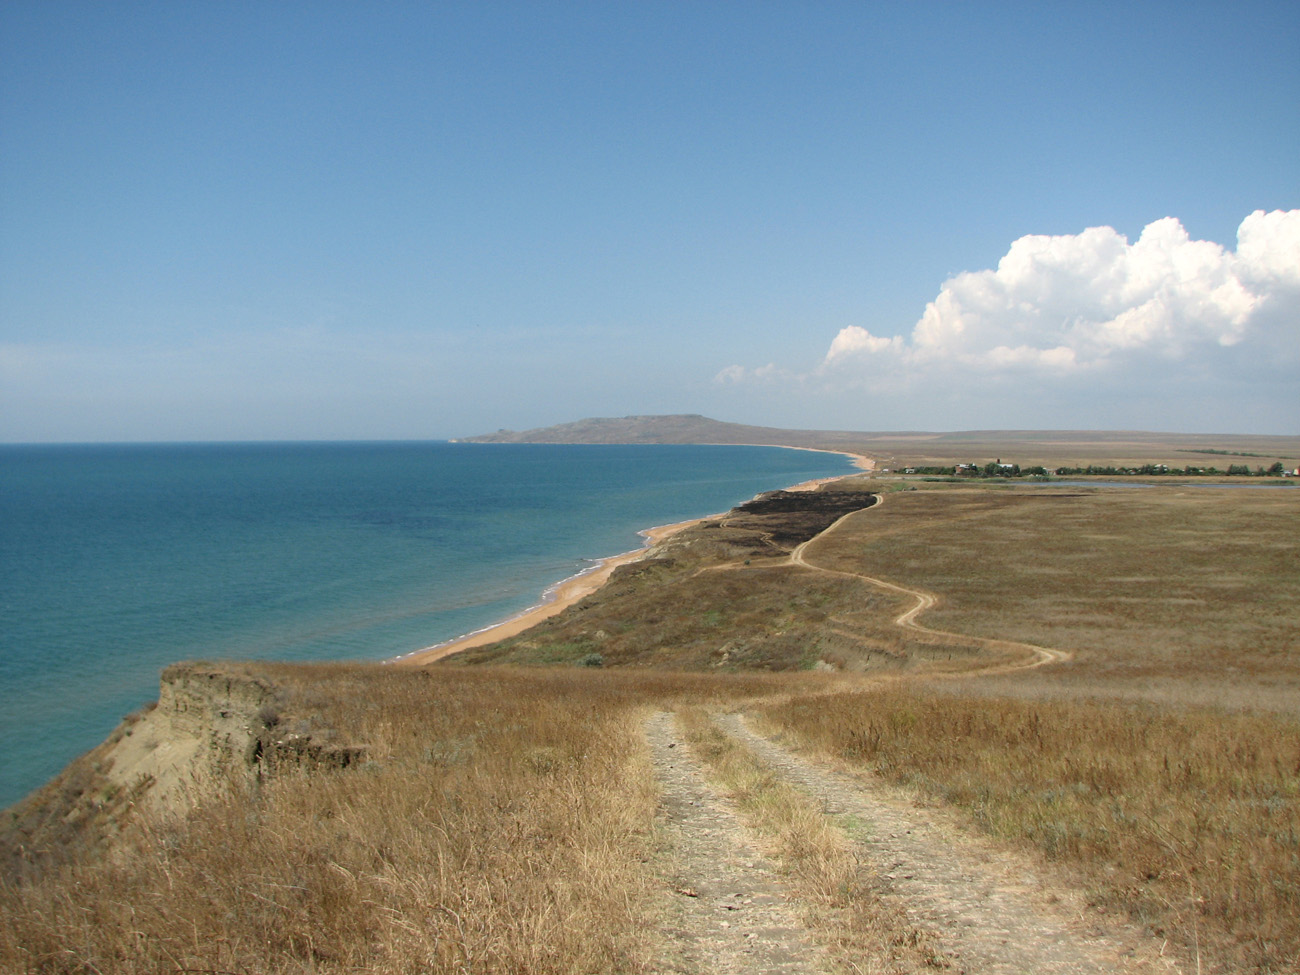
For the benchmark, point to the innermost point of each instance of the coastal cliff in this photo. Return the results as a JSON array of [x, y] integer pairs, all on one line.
[[212, 725]]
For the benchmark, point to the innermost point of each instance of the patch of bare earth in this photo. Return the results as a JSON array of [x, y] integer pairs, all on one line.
[[987, 909], [729, 912]]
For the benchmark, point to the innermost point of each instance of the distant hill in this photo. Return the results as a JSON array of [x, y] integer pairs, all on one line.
[[680, 428], [1025, 447]]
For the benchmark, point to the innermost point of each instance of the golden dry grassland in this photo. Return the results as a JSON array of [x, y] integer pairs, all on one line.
[[502, 820], [501, 823], [1163, 759], [1186, 819], [1185, 592]]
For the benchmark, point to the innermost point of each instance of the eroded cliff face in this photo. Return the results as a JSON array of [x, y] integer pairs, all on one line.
[[210, 721], [213, 726]]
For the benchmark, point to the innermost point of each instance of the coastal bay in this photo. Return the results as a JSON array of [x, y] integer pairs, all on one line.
[[853, 603]]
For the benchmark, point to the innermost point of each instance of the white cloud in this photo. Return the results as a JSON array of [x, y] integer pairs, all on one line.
[[731, 374], [1268, 247], [856, 339], [738, 374], [1092, 302]]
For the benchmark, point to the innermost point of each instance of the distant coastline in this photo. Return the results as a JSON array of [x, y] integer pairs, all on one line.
[[575, 588], [700, 430], [894, 449]]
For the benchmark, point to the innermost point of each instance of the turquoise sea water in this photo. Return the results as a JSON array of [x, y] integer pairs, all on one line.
[[118, 560]]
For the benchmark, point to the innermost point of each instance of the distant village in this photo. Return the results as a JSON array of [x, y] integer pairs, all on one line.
[[997, 469]]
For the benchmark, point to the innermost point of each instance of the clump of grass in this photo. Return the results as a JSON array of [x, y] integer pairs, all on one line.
[[1187, 819], [815, 854], [501, 863]]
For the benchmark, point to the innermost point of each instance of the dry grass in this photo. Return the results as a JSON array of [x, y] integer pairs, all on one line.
[[724, 596], [815, 855], [1126, 762], [1186, 819], [770, 618], [1146, 586], [502, 824]]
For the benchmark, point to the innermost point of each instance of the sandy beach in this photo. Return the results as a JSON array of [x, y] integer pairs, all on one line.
[[575, 588], [560, 598]]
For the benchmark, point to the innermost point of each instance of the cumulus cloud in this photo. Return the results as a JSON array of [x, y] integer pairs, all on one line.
[[1091, 301]]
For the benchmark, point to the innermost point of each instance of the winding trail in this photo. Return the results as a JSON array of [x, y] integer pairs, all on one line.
[[1030, 654], [986, 908], [1034, 656]]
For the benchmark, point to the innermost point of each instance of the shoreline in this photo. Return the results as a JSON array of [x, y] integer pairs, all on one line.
[[555, 599], [566, 592]]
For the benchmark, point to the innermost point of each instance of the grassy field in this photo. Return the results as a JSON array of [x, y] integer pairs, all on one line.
[[1171, 592], [1162, 759], [502, 819], [1187, 819], [501, 823]]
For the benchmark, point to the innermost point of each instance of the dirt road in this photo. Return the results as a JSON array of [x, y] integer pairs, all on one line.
[[983, 908], [727, 910]]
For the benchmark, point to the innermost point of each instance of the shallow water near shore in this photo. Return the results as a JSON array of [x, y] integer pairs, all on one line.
[[118, 560]]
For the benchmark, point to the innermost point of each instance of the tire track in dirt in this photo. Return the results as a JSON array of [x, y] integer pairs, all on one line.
[[989, 910], [730, 912]]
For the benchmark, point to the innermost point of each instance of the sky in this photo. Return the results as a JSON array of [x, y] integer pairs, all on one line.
[[289, 221]]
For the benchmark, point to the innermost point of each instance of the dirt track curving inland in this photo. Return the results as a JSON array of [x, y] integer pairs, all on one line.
[[984, 907]]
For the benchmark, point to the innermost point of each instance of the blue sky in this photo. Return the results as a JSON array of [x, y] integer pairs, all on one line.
[[351, 220]]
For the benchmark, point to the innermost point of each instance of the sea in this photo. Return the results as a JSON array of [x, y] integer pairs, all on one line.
[[117, 560]]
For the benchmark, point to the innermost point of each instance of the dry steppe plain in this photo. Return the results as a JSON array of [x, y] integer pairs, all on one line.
[[781, 742]]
